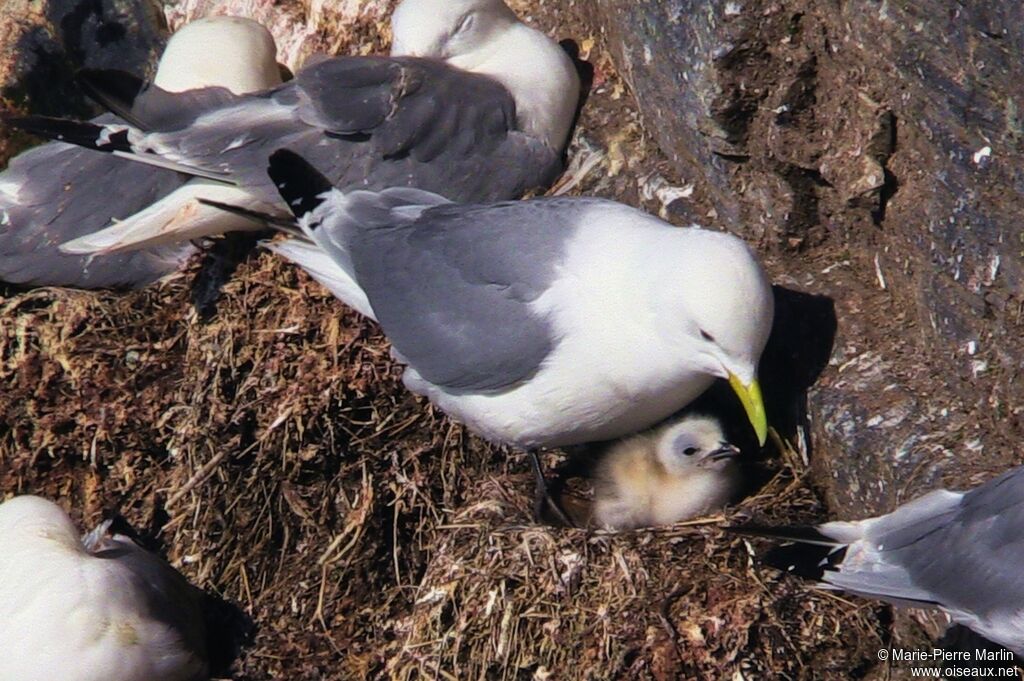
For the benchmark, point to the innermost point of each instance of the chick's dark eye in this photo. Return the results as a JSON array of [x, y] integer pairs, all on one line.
[[464, 23], [707, 336], [690, 451]]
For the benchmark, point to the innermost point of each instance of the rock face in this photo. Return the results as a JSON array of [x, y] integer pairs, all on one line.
[[876, 149], [43, 44]]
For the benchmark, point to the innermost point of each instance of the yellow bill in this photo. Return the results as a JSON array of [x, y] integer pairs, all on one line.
[[753, 404]]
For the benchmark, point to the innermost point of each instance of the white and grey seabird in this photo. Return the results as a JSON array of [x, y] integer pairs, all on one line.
[[539, 323], [98, 609], [57, 192], [958, 551], [676, 471], [473, 104]]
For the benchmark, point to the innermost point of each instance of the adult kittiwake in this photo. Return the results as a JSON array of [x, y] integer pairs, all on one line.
[[538, 323], [94, 609], [57, 192]]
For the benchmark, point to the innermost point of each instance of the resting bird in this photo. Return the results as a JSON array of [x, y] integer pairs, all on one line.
[[472, 104], [957, 551], [537, 323], [101, 609], [678, 470], [56, 192]]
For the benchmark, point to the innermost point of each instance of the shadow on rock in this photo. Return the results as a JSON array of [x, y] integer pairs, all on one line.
[[228, 631], [798, 351], [978, 653], [585, 72]]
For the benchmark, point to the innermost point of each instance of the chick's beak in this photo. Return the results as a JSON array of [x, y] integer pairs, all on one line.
[[753, 404], [726, 451]]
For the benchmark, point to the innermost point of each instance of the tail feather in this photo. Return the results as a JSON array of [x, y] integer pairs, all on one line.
[[115, 90], [810, 561], [851, 563], [175, 218], [110, 138], [106, 138], [319, 264]]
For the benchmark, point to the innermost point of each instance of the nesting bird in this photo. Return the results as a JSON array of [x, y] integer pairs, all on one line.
[[679, 470], [958, 551], [57, 192], [538, 323], [99, 609], [472, 104]]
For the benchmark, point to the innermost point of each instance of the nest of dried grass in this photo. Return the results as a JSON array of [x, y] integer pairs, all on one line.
[[275, 457]]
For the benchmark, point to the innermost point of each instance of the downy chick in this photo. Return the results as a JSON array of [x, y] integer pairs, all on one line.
[[678, 470]]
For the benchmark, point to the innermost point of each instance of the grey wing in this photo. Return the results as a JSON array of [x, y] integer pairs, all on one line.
[[975, 558], [56, 192], [378, 122], [965, 557], [453, 290], [158, 109], [411, 106]]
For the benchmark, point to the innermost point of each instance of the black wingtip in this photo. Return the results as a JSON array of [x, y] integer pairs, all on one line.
[[113, 89], [809, 554], [809, 561], [82, 133], [300, 184], [282, 225], [807, 534]]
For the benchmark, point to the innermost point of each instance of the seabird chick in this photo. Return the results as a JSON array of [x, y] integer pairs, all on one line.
[[102, 609], [958, 551], [678, 470], [472, 104], [56, 192]]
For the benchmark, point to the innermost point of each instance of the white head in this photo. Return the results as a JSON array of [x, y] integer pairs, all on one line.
[[723, 311], [448, 29], [230, 52], [28, 518], [692, 444], [486, 37]]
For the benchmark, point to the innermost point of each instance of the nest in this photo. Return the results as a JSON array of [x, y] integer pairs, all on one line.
[[274, 457]]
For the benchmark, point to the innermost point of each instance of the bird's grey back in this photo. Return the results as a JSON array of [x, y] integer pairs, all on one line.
[[378, 122], [453, 288]]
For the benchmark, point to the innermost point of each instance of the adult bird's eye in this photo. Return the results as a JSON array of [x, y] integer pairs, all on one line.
[[690, 451], [707, 336]]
